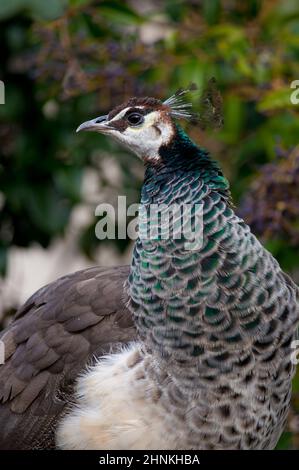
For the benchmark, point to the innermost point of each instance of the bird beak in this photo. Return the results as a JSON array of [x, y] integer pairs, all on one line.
[[98, 124]]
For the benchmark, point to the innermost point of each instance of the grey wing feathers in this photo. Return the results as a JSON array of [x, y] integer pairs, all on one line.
[[52, 338]]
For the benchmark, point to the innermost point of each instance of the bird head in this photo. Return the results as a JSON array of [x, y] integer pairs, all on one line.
[[144, 125]]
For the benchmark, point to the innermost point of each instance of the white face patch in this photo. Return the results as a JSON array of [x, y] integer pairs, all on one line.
[[146, 139]]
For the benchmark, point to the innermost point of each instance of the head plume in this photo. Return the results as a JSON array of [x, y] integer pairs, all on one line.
[[179, 108], [210, 109]]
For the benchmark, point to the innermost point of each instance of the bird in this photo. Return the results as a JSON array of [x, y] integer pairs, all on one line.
[[189, 347]]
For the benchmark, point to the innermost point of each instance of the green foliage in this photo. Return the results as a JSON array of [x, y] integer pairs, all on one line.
[[64, 62], [34, 8]]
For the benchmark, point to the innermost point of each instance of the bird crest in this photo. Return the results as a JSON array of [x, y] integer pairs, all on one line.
[[210, 113], [179, 107]]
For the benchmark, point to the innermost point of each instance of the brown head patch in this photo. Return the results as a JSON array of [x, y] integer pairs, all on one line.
[[145, 101]]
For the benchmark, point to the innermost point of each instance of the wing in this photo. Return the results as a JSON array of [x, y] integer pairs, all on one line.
[[52, 338]]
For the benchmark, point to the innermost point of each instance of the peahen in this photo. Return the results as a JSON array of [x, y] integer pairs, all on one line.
[[189, 348]]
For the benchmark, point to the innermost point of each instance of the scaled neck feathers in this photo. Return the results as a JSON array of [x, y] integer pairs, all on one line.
[[190, 304], [182, 157]]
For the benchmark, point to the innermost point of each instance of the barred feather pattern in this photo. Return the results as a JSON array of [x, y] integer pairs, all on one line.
[[216, 323]]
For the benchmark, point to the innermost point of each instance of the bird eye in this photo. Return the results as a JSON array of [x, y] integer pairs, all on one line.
[[135, 119]]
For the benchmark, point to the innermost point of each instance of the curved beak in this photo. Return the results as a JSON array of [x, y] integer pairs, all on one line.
[[98, 124]]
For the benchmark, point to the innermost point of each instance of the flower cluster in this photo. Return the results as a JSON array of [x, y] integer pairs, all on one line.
[[271, 207]]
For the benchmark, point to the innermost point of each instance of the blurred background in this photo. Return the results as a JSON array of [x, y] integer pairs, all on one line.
[[64, 62]]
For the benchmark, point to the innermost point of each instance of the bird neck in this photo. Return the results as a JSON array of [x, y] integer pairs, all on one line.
[[180, 156], [169, 284]]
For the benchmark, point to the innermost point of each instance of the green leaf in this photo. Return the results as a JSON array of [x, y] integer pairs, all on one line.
[[296, 383], [68, 180], [11, 7], [276, 99], [36, 8], [118, 12], [285, 441], [211, 11], [47, 10]]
